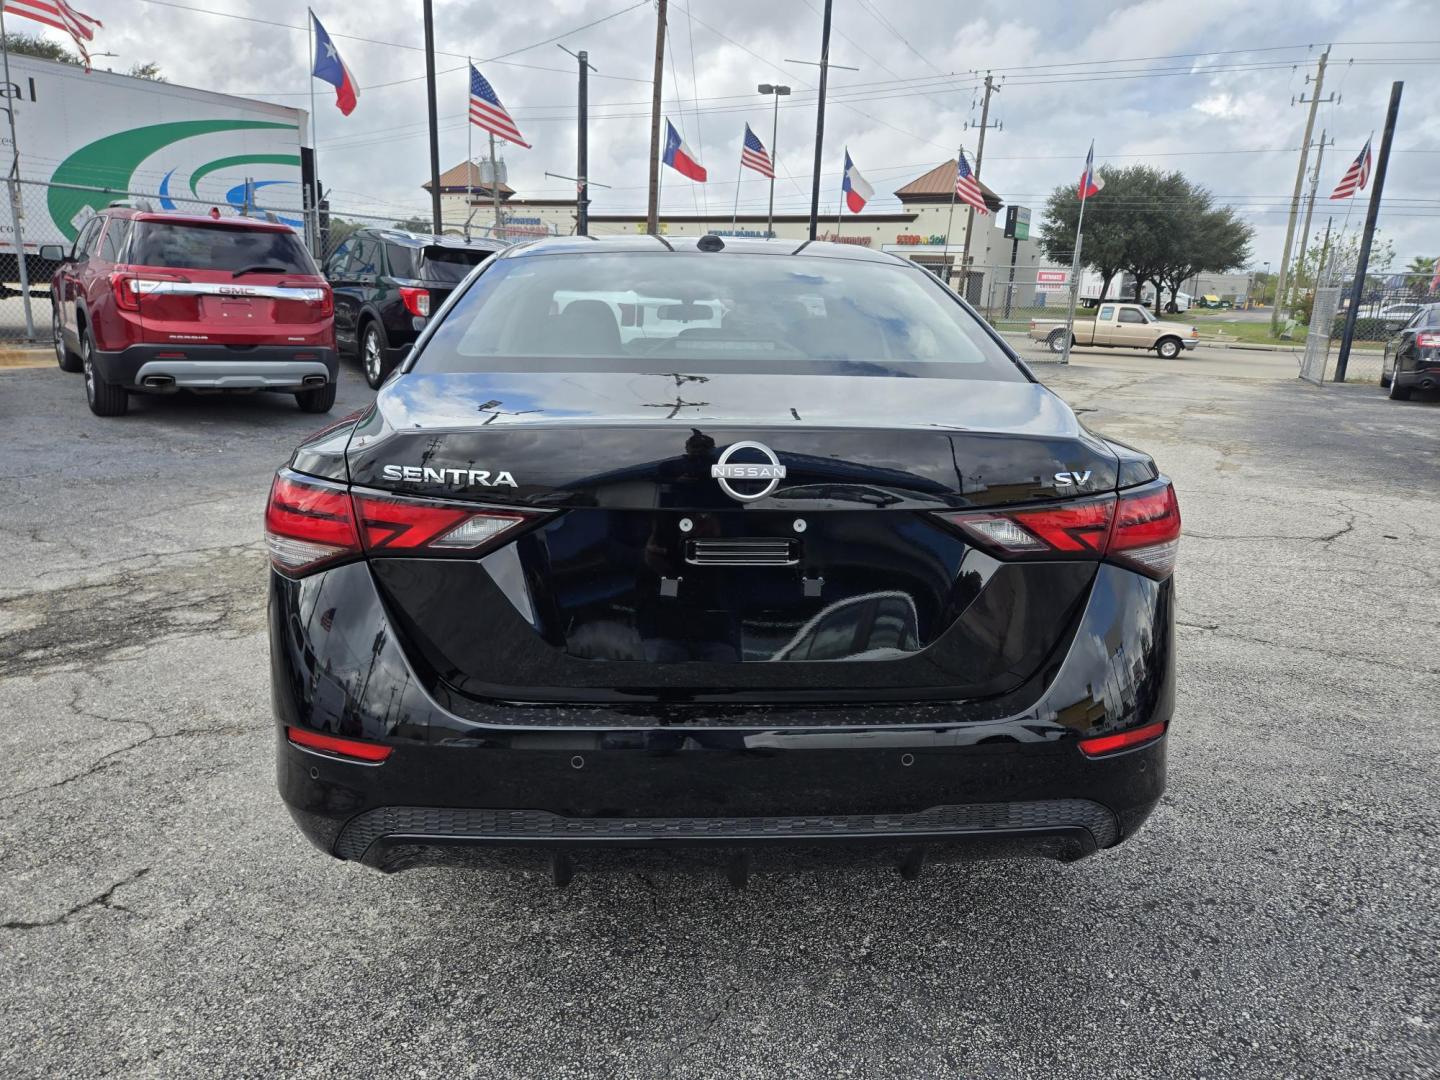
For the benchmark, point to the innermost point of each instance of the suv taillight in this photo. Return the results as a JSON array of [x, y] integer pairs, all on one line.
[[1139, 528], [417, 301], [327, 302], [310, 524], [1427, 339], [128, 288]]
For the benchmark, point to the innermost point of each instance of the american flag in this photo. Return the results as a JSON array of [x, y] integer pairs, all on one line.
[[487, 113], [753, 155], [1355, 177], [61, 16], [967, 188]]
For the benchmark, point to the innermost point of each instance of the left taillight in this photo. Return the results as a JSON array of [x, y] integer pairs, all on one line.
[[417, 301], [1139, 528], [308, 525], [1428, 339]]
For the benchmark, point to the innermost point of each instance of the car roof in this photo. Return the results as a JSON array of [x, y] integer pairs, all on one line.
[[231, 221], [417, 240], [592, 245]]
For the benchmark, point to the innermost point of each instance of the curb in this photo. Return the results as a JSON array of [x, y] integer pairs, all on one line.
[[39, 356]]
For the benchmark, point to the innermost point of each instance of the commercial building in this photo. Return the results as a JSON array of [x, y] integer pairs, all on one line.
[[926, 228]]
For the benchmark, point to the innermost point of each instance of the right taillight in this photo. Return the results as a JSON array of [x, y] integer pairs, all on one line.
[[1139, 528], [1146, 533], [311, 524], [1428, 339]]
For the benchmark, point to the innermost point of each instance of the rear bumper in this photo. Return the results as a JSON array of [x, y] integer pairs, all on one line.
[[843, 782], [218, 367], [1425, 378], [1189, 343]]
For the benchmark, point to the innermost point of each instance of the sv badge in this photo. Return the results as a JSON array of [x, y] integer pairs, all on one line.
[[1078, 479]]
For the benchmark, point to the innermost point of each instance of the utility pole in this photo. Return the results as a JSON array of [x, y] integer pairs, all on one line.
[[778, 92], [495, 184], [582, 144], [652, 215], [1309, 212], [820, 121], [1314, 103], [434, 129], [990, 88], [1357, 291]]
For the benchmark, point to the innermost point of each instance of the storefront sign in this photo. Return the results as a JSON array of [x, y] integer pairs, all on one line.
[[835, 238], [1017, 223], [913, 239]]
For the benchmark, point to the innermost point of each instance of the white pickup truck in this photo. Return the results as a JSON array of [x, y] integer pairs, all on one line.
[[1123, 326]]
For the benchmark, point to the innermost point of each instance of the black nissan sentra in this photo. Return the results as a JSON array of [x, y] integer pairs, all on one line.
[[736, 553]]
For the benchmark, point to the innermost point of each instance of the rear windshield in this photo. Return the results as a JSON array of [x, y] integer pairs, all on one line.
[[217, 247], [631, 311], [445, 265]]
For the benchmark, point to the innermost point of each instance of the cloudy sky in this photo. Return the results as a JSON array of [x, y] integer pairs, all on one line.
[[1204, 87]]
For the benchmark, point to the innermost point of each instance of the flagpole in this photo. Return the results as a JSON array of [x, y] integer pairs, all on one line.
[[735, 214], [15, 193], [495, 184], [950, 221], [317, 243], [840, 209], [1075, 259], [469, 153]]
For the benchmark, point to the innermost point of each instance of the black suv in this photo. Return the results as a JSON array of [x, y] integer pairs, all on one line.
[[1412, 355], [387, 283]]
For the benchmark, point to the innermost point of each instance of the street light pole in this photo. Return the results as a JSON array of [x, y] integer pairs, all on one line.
[[778, 92]]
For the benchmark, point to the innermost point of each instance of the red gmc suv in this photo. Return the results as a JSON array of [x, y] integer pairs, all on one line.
[[159, 302]]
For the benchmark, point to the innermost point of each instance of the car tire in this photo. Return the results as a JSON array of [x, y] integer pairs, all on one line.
[[1056, 341], [319, 400], [1398, 392], [66, 357], [373, 347], [104, 399], [1168, 348]]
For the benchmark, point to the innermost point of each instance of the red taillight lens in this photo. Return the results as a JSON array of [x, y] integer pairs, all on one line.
[[1140, 528], [1147, 530], [327, 302], [417, 301], [331, 744], [308, 525], [402, 526], [124, 287], [1428, 340], [1124, 740]]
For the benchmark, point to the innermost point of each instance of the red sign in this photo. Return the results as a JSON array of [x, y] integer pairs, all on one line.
[[1052, 277]]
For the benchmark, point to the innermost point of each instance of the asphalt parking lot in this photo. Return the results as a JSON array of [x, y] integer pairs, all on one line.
[[1278, 917]]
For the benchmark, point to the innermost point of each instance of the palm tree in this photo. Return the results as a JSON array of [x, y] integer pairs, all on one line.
[[1419, 274]]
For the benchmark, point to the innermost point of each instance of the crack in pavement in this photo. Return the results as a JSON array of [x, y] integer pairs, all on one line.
[[1294, 646], [104, 761], [105, 899]]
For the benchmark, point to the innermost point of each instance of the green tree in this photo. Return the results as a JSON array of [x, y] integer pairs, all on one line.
[[415, 224], [1103, 249], [31, 45], [45, 49]]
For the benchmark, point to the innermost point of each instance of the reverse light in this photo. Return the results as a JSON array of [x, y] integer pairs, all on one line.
[[416, 300], [332, 744], [1139, 528], [406, 526], [1123, 740]]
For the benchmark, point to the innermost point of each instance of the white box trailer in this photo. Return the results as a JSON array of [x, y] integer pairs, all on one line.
[[88, 140]]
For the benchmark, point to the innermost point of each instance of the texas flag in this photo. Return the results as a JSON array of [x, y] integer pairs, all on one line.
[[329, 67], [1090, 183], [856, 188], [680, 157]]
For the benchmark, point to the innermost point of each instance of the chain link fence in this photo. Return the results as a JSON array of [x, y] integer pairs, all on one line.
[[1387, 303], [55, 214]]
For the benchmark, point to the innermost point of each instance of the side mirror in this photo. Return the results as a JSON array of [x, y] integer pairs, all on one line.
[[54, 253]]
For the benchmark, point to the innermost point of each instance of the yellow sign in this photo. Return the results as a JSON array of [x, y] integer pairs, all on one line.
[[664, 227]]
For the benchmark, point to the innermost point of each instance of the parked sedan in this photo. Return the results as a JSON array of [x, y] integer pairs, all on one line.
[[1412, 355], [387, 283], [830, 577]]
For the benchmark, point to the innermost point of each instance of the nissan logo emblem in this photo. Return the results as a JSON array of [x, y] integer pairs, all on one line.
[[757, 465]]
